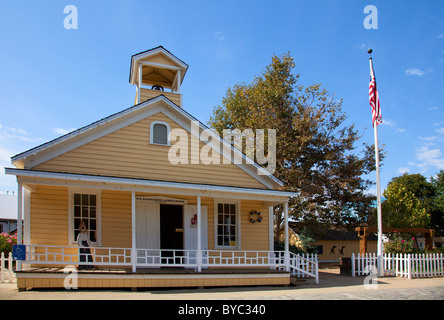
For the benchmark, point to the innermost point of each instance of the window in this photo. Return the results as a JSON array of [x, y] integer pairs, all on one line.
[[85, 206], [227, 225], [160, 133]]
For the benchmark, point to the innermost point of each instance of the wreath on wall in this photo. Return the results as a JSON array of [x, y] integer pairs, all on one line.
[[255, 216]]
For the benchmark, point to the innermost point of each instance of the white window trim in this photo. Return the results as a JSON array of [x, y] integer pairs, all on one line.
[[237, 202], [152, 131], [98, 193]]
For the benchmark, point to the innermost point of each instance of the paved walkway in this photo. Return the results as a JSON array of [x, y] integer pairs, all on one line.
[[332, 286]]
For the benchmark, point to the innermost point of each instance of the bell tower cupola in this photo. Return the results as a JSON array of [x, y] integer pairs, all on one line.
[[156, 72]]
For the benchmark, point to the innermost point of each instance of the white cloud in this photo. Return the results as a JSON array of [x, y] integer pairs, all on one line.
[[440, 36], [440, 130], [431, 138], [63, 131], [402, 170], [414, 72], [6, 182], [400, 130], [5, 156], [7, 133], [429, 159], [387, 122], [219, 36], [362, 46]]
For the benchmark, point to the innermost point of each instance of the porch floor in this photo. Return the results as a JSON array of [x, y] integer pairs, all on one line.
[[165, 270], [55, 277]]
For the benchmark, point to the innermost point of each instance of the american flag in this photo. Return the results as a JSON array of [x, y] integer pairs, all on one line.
[[374, 97]]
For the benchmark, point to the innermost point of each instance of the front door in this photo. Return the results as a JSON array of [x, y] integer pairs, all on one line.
[[147, 232], [171, 232]]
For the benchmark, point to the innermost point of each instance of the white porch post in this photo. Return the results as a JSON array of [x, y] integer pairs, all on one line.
[[19, 219], [133, 231], [287, 252], [139, 84], [271, 234], [199, 235]]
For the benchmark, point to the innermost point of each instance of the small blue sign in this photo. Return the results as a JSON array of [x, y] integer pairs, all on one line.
[[19, 252]]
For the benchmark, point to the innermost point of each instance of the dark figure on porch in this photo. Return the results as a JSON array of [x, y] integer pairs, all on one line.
[[84, 245]]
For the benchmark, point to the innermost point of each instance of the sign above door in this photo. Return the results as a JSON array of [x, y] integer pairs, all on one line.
[[162, 200]]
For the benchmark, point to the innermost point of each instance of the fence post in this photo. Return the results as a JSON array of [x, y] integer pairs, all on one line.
[[2, 267], [409, 266], [10, 272], [441, 266], [435, 264], [353, 264], [317, 269]]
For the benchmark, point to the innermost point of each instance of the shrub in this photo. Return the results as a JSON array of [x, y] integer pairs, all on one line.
[[6, 242], [401, 245]]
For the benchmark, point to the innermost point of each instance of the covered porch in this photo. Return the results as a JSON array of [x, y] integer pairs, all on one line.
[[56, 267], [213, 239]]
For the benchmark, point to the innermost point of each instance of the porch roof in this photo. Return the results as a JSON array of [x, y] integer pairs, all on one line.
[[31, 177]]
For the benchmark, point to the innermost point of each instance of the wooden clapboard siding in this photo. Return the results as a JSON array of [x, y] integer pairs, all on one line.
[[116, 219], [49, 216], [118, 278], [254, 236], [128, 153], [192, 200], [351, 246], [146, 94]]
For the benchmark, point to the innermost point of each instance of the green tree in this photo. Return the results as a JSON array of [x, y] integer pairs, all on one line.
[[408, 202], [437, 214], [316, 151]]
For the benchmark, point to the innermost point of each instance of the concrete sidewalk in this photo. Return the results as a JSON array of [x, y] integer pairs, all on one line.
[[332, 286]]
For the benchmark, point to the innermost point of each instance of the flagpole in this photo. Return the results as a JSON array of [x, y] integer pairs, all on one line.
[[379, 208], [380, 250]]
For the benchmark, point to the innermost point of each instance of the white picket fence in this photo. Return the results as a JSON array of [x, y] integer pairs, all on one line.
[[6, 273], [401, 265]]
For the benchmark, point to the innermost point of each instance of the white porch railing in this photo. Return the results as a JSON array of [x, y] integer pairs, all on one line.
[[224, 258], [302, 266], [65, 255], [401, 265], [166, 258], [305, 265]]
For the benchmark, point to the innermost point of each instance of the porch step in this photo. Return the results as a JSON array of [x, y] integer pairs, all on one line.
[[297, 281]]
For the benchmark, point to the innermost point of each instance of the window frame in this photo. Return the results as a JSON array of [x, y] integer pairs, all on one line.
[[237, 204], [98, 194], [152, 133]]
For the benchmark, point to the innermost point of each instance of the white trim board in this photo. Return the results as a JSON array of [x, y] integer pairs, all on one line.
[[140, 185]]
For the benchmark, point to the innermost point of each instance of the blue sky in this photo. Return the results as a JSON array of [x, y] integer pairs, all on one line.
[[53, 80]]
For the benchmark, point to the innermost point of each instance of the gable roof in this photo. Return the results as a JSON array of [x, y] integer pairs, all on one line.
[[100, 128], [160, 50]]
